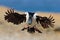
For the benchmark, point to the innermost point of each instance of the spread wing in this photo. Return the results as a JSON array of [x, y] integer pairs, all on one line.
[[14, 17], [45, 21]]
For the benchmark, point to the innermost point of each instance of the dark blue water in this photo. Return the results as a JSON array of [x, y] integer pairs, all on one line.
[[33, 5]]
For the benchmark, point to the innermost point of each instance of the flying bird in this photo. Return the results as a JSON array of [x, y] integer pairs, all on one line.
[[16, 18]]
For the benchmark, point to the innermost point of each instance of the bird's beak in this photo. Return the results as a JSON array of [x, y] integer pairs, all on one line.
[[29, 21]]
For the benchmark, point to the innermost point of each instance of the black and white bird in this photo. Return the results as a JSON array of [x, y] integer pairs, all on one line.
[[16, 18]]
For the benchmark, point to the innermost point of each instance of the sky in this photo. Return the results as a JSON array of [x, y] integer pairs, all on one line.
[[33, 5]]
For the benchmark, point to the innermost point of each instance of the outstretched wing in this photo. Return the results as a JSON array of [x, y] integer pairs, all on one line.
[[14, 17], [45, 21]]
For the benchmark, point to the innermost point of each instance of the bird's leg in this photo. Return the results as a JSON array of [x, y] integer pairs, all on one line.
[[26, 26], [23, 29], [37, 29]]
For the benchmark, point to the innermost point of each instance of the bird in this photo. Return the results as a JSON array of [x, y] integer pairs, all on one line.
[[16, 18]]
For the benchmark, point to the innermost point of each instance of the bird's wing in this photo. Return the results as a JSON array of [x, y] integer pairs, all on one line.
[[14, 17], [45, 21]]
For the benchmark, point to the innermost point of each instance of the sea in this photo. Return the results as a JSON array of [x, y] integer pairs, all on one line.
[[33, 5]]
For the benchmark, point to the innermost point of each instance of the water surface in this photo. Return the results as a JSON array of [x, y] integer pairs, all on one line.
[[33, 5]]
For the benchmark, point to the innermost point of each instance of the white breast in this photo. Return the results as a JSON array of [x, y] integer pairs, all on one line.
[[27, 16], [35, 16], [34, 20]]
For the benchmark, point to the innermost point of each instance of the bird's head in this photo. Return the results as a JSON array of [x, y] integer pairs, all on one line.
[[29, 17]]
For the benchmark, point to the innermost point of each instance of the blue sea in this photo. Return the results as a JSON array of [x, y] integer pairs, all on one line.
[[33, 5]]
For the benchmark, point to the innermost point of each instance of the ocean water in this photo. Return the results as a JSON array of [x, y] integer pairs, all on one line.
[[33, 5]]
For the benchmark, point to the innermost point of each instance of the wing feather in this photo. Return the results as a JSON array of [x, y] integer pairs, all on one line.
[[14, 17], [45, 21]]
